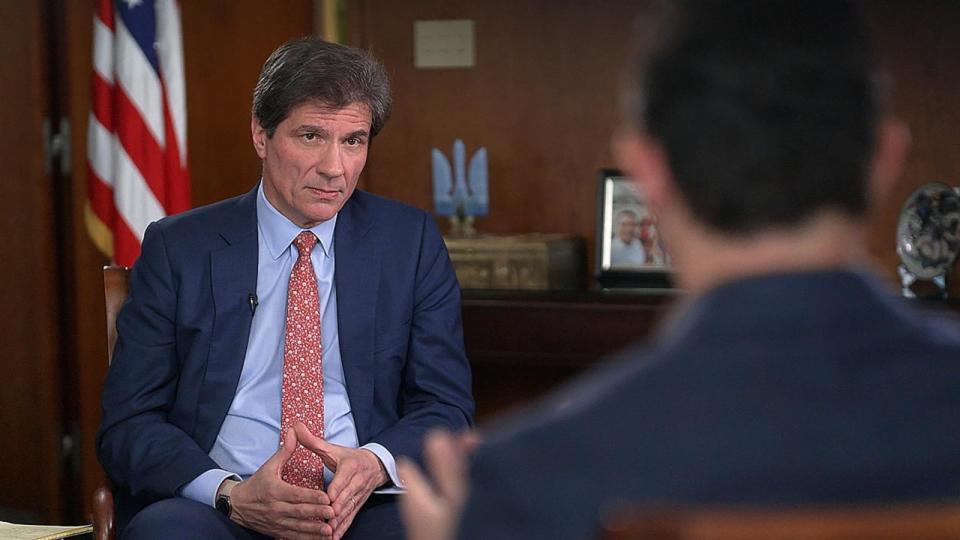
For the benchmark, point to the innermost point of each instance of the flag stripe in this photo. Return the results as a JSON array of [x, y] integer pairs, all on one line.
[[101, 199], [170, 51], [135, 201], [140, 82], [140, 147], [100, 150], [103, 11], [126, 244], [102, 97], [136, 152], [102, 50], [177, 197]]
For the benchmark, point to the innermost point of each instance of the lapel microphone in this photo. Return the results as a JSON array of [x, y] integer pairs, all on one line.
[[252, 299]]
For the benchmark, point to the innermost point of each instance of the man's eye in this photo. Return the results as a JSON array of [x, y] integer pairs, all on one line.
[[309, 137], [353, 141]]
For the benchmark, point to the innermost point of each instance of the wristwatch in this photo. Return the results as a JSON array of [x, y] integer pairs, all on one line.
[[223, 497]]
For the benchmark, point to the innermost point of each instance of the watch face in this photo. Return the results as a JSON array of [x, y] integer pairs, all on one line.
[[223, 505], [928, 234]]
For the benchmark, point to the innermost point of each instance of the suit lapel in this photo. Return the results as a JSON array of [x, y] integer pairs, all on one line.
[[234, 277], [357, 279]]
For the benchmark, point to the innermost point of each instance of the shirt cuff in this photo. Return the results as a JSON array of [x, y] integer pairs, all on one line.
[[389, 464], [203, 488]]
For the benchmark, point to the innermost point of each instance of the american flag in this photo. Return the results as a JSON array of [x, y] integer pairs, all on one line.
[[137, 133]]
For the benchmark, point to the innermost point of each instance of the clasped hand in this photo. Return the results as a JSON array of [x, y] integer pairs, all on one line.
[[267, 504]]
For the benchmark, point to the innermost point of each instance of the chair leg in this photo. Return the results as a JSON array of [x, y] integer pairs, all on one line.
[[103, 513]]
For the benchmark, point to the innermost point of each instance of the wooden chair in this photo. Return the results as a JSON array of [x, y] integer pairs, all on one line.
[[913, 522], [116, 285]]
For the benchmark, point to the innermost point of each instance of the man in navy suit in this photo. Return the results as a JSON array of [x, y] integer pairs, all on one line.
[[192, 403], [756, 132]]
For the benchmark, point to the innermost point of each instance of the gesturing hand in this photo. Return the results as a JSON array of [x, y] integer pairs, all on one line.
[[267, 504], [356, 473], [433, 514]]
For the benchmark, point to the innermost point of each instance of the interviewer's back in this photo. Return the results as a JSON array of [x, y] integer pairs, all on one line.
[[794, 388]]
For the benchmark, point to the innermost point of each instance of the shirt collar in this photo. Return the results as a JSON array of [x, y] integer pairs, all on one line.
[[278, 232]]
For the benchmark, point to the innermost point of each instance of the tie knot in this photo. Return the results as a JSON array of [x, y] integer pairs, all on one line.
[[305, 242]]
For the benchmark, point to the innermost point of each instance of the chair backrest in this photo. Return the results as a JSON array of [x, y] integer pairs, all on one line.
[[913, 522], [116, 285]]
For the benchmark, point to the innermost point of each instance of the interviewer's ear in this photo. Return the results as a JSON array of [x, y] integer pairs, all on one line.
[[643, 158], [891, 145], [259, 137]]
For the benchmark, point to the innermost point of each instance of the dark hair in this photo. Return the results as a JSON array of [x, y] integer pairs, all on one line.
[[766, 109], [310, 69]]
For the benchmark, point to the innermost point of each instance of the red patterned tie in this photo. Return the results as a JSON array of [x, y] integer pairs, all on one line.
[[302, 397]]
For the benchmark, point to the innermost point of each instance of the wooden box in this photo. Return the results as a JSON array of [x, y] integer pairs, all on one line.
[[518, 262]]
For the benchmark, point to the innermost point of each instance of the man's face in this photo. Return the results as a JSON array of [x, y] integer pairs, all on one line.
[[312, 162], [627, 228]]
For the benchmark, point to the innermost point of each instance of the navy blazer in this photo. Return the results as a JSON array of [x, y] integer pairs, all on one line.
[[183, 331], [785, 389]]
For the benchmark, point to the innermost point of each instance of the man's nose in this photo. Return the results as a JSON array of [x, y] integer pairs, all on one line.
[[330, 161]]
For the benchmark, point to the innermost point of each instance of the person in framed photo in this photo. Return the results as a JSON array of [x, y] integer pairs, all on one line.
[[630, 245], [626, 248], [789, 375], [635, 243], [653, 252]]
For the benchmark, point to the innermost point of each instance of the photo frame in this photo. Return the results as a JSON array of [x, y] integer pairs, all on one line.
[[629, 251]]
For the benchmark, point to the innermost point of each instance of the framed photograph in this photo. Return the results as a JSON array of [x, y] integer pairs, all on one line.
[[629, 250]]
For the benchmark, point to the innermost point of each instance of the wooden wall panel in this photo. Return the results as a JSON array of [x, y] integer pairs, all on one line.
[[87, 341], [30, 407], [543, 100], [225, 44]]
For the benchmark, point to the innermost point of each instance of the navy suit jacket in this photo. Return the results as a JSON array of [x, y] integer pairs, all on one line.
[[784, 389], [182, 337]]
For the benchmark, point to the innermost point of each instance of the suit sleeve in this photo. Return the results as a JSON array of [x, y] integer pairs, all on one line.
[[140, 450], [437, 378], [506, 501]]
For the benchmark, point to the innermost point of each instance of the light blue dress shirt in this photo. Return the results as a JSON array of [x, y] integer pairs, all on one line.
[[250, 433]]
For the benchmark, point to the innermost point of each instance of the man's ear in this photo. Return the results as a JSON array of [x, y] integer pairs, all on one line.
[[259, 136], [644, 159], [890, 153]]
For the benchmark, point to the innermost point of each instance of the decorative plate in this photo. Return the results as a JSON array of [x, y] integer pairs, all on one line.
[[928, 234]]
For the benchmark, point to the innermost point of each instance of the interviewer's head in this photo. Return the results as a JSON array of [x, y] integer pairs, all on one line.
[[757, 133], [764, 112]]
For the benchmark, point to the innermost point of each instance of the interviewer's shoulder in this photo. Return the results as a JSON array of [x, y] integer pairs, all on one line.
[[940, 332]]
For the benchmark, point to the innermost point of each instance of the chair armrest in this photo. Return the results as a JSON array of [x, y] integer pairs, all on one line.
[[103, 513]]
